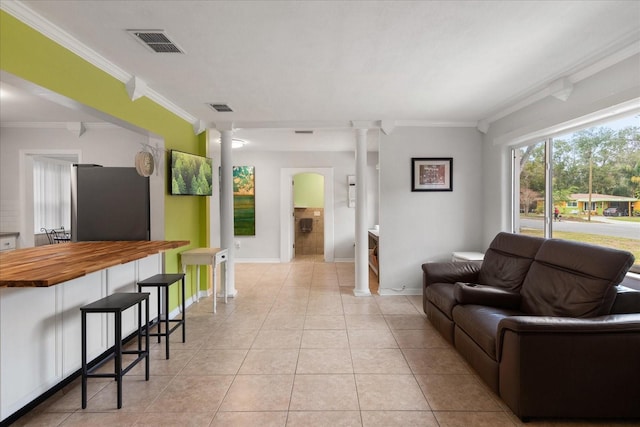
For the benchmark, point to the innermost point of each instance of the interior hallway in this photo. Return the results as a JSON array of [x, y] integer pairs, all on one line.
[[295, 348]]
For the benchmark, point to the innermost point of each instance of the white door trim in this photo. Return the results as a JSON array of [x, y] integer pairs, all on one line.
[[286, 212]]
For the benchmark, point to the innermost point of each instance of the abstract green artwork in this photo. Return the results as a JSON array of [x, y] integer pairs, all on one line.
[[244, 201]]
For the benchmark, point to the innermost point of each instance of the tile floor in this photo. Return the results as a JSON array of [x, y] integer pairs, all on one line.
[[296, 348]]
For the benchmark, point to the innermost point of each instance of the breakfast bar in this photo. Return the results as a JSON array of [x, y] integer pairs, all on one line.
[[41, 291]]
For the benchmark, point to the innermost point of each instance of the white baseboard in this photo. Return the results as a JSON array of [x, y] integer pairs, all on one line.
[[394, 292]]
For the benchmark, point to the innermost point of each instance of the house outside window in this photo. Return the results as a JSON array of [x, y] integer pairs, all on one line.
[[583, 186]]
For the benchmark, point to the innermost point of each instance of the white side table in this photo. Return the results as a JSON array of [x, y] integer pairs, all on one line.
[[207, 256], [467, 256]]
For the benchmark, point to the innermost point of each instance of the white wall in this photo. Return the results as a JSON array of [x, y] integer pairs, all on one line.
[[597, 96], [105, 145], [417, 227], [265, 245]]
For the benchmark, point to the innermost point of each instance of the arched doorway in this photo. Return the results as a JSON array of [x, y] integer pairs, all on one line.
[[308, 208], [287, 212]]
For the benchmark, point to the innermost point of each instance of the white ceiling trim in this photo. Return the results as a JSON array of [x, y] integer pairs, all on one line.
[[66, 40], [56, 125], [623, 49]]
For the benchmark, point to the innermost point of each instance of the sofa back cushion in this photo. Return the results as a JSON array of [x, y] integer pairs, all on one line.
[[508, 259], [573, 279]]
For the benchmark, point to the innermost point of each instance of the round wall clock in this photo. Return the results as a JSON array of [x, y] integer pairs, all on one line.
[[144, 163]]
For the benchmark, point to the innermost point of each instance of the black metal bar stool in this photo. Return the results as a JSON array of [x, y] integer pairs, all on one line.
[[116, 304], [164, 281]]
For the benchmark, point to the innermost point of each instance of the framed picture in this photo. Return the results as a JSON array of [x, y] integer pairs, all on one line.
[[432, 174], [244, 201]]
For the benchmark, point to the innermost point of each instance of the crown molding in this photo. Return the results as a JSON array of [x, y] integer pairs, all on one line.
[[622, 49], [23, 13], [56, 125], [435, 124]]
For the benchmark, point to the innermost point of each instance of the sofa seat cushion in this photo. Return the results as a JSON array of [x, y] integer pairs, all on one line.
[[441, 295], [507, 260], [573, 279], [480, 323]]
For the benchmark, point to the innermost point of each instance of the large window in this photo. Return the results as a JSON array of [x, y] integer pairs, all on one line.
[[582, 186]]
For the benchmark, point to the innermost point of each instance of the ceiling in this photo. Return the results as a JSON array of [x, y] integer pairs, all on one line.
[[318, 65]]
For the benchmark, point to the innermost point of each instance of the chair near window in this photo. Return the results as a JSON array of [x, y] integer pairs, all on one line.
[[56, 235]]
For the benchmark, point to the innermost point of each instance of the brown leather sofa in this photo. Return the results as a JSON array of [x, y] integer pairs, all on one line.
[[545, 324]]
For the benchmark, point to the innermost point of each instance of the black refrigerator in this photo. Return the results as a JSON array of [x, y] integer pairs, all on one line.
[[109, 203]]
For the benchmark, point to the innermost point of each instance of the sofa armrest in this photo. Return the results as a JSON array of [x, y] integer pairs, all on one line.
[[551, 366], [541, 325], [450, 272], [471, 293]]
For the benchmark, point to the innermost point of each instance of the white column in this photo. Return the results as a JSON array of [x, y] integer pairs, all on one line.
[[226, 206], [362, 236]]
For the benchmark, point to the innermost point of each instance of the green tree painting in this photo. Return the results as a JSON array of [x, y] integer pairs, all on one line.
[[244, 201], [190, 174]]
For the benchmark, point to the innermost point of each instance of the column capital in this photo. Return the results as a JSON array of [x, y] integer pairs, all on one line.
[[224, 126], [363, 124]]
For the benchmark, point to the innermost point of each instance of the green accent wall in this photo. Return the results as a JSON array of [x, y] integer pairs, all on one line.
[[308, 190], [26, 53]]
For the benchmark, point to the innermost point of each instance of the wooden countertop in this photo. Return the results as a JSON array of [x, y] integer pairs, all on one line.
[[50, 265]]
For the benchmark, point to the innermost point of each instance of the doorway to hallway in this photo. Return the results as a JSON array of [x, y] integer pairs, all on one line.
[[289, 225], [308, 208]]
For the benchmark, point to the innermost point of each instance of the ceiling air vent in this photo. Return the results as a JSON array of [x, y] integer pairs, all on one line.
[[304, 132], [156, 40], [221, 108]]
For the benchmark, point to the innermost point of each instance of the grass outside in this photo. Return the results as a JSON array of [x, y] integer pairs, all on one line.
[[624, 243]]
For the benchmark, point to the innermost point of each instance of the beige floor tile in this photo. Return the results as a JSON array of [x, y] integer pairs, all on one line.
[[265, 361], [137, 394], [187, 419], [407, 321], [435, 361], [231, 339], [399, 419], [45, 419], [289, 308], [371, 338], [360, 308], [366, 321], [379, 361], [258, 393], [245, 419], [324, 418], [284, 321], [390, 393], [423, 338], [324, 361], [244, 321], [215, 362], [278, 338], [70, 399], [112, 419], [396, 305], [324, 393], [324, 322], [326, 309], [479, 419], [192, 394], [158, 365], [456, 393], [312, 338]]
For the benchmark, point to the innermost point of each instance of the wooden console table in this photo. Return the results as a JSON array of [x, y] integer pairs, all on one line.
[[207, 256]]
